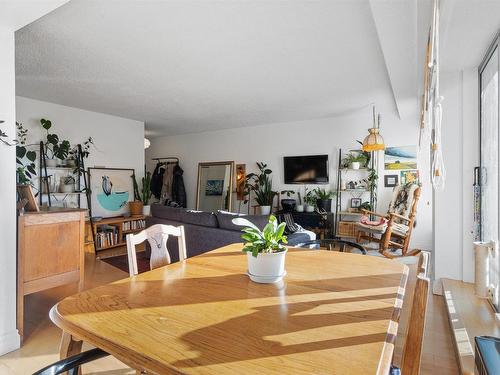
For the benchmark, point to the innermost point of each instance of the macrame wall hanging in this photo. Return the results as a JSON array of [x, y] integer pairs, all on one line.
[[431, 112]]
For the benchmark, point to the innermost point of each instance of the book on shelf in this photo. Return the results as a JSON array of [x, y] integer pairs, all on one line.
[[133, 225], [106, 236]]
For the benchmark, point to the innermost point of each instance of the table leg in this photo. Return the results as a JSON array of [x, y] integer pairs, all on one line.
[[70, 345]]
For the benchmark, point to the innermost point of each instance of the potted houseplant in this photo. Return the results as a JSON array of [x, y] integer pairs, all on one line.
[[300, 206], [56, 151], [142, 197], [355, 160], [261, 185], [67, 184], [288, 204], [310, 200], [324, 199], [265, 250]]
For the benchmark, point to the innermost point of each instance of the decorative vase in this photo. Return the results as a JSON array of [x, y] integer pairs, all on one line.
[[146, 210], [265, 210], [309, 208], [135, 208], [266, 268], [66, 188], [324, 204], [299, 208], [288, 204], [51, 163], [355, 165]]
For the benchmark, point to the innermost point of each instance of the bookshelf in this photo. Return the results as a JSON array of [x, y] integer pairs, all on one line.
[[111, 232]]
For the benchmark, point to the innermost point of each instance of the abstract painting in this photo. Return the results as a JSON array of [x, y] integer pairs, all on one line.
[[111, 190], [214, 187], [400, 157]]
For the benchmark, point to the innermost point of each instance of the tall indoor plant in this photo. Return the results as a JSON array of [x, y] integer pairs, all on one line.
[[261, 184], [54, 148], [265, 249], [141, 196]]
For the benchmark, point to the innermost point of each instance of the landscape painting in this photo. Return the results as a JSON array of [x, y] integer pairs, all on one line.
[[111, 190], [400, 157]]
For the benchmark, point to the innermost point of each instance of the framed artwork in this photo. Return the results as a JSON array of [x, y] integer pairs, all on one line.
[[391, 180], [400, 157], [214, 187], [355, 202], [409, 176], [110, 191], [27, 198]]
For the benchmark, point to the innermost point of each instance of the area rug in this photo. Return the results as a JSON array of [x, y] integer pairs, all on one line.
[[121, 262]]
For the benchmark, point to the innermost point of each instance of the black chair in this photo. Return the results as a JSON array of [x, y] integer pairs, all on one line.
[[72, 364], [331, 244]]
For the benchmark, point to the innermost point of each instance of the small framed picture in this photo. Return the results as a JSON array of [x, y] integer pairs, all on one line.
[[355, 202], [391, 180]]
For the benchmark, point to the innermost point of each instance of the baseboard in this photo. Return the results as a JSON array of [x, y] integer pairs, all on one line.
[[437, 287], [9, 341]]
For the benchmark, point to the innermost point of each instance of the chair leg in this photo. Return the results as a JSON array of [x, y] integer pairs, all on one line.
[[69, 347]]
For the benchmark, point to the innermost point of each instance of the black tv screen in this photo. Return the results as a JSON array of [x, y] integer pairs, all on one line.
[[306, 169]]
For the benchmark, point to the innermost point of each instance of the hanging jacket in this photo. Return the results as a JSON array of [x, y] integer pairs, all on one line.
[[178, 188], [157, 180]]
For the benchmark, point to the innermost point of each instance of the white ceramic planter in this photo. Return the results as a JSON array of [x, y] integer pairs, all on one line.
[[146, 210], [70, 188], [265, 210], [299, 208], [309, 208], [355, 165], [266, 268]]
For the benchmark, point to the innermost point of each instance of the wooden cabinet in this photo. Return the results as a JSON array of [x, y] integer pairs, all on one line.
[[347, 229], [50, 252]]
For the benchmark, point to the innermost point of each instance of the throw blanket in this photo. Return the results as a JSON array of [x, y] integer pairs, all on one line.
[[402, 197]]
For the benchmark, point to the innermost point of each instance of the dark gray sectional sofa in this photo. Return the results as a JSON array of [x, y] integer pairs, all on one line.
[[206, 231]]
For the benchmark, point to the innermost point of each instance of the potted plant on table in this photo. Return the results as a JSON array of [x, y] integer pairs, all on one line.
[[142, 197], [355, 160], [265, 250], [324, 199], [310, 200], [55, 150], [261, 185], [300, 206], [288, 204]]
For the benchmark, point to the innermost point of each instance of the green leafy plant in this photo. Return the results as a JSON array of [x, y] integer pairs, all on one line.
[[365, 206], [310, 198], [269, 240], [73, 155], [299, 197], [25, 159], [144, 194], [366, 153], [323, 194], [53, 146], [261, 185], [288, 193], [354, 157]]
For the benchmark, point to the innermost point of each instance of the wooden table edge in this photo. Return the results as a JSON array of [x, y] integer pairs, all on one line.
[[128, 358]]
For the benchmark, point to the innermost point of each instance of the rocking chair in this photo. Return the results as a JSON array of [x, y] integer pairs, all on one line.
[[394, 229]]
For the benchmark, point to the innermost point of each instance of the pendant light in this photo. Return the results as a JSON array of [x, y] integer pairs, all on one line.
[[374, 141]]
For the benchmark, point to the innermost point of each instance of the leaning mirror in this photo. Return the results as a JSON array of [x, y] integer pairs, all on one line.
[[215, 186]]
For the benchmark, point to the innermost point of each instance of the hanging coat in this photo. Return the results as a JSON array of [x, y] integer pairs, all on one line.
[[178, 188], [157, 180]]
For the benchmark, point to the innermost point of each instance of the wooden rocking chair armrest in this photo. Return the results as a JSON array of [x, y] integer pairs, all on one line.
[[392, 214], [367, 212]]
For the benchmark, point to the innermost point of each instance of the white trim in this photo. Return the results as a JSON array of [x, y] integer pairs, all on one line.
[[9, 342]]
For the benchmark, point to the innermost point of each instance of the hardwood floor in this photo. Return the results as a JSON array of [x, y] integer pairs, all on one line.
[[41, 346]]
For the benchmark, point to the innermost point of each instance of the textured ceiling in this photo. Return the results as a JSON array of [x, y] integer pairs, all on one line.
[[189, 66]]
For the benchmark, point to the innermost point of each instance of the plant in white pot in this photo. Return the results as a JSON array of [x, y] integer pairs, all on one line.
[[261, 184], [144, 194], [265, 250], [310, 200]]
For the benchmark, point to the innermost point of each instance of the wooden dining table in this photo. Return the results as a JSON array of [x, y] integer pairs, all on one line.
[[333, 313]]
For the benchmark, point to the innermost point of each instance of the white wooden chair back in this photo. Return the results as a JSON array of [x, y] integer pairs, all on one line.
[[412, 349], [157, 236]]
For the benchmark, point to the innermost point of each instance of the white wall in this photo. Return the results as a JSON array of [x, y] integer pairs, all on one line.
[[119, 142], [9, 338], [269, 143], [454, 206]]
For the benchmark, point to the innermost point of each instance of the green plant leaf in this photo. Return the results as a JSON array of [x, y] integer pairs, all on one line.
[[20, 151], [31, 155]]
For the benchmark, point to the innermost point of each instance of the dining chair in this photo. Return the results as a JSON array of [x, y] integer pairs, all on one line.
[[412, 348], [71, 365], [157, 236]]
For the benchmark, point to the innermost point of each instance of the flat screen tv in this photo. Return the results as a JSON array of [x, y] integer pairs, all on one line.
[[311, 169]]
